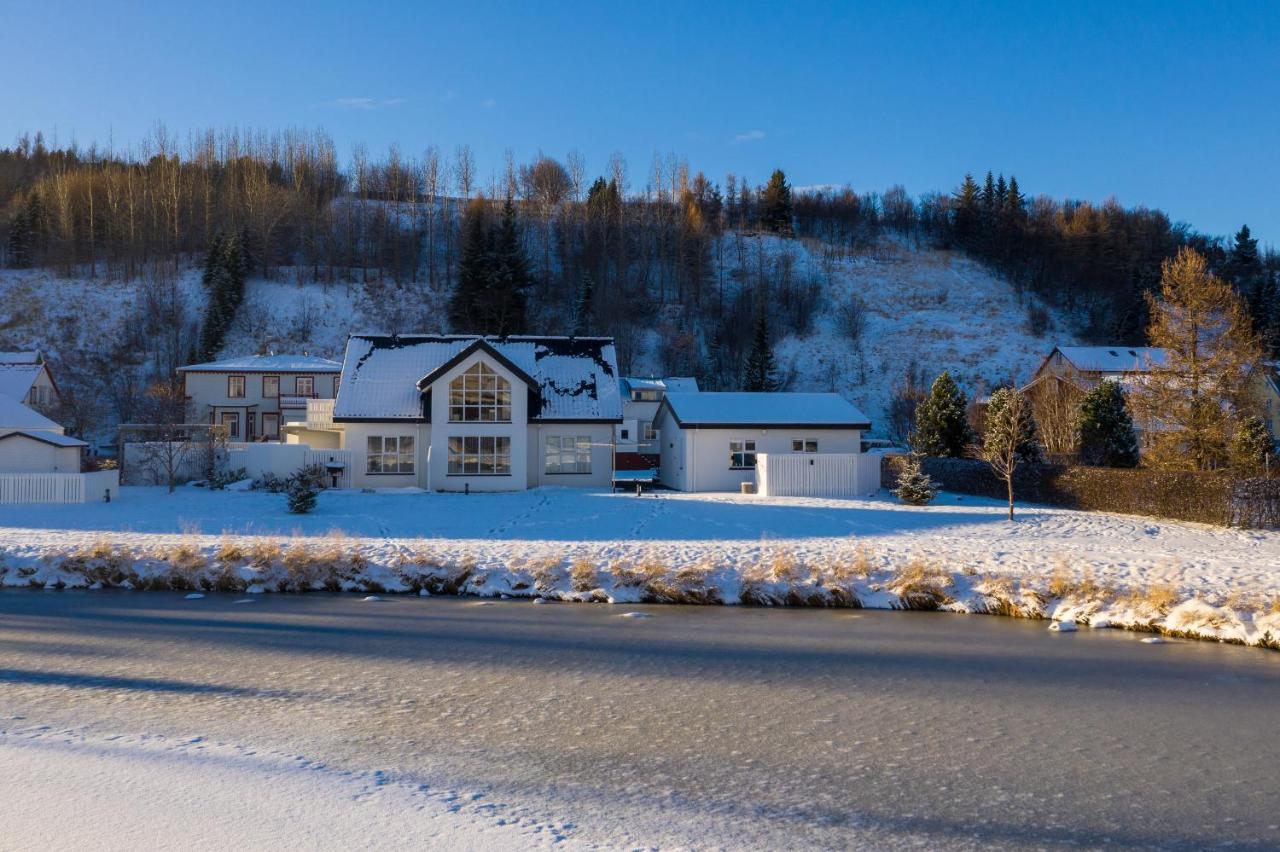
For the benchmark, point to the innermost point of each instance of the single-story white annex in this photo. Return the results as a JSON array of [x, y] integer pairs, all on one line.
[[32, 443], [710, 441]]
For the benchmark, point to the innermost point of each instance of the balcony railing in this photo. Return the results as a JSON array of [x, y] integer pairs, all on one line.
[[320, 413], [295, 400]]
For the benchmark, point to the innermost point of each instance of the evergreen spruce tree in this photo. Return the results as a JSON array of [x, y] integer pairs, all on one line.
[[915, 487], [761, 372], [582, 307], [468, 299], [775, 204], [1104, 431], [301, 496], [20, 240], [1251, 445], [967, 212], [508, 278], [942, 429]]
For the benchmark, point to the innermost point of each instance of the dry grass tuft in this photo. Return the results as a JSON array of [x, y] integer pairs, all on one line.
[[229, 552], [921, 585], [263, 553], [583, 575]]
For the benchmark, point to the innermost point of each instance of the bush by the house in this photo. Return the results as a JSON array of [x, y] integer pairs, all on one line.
[[271, 483], [301, 495], [915, 487], [1104, 429], [219, 479], [1251, 445]]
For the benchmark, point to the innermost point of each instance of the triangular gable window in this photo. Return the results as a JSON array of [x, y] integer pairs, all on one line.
[[479, 396]]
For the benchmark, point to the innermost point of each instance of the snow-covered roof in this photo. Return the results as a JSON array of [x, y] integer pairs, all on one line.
[[764, 410], [57, 439], [266, 364], [571, 378], [32, 357], [1114, 359], [670, 384], [15, 415], [16, 379]]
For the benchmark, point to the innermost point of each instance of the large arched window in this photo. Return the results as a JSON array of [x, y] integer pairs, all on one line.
[[479, 396]]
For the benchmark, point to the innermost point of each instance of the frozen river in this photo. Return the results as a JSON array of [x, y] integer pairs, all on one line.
[[321, 720]]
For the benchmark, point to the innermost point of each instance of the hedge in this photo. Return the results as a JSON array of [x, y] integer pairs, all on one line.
[[1211, 498]]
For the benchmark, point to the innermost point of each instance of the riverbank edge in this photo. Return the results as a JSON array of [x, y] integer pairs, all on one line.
[[852, 576]]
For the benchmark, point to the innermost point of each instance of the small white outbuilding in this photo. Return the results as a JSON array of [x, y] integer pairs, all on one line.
[[32, 443], [711, 441]]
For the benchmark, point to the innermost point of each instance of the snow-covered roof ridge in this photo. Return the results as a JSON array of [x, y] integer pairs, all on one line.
[[752, 409], [575, 378], [267, 364], [1114, 359], [16, 416], [56, 439], [16, 378]]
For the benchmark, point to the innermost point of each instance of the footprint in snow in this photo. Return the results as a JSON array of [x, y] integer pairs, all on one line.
[[194, 596]]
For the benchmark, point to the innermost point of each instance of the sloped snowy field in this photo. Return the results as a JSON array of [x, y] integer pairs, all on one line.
[[593, 545]]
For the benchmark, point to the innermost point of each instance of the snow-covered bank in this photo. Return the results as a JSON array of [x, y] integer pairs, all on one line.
[[567, 544]]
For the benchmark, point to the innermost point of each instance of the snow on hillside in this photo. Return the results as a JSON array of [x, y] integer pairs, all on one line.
[[935, 309]]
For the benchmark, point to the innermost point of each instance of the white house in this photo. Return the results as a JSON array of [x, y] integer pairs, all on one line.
[[254, 396], [461, 412], [32, 443], [25, 378], [709, 441], [641, 397]]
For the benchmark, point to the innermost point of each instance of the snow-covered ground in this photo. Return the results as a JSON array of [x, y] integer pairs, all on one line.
[[959, 553]]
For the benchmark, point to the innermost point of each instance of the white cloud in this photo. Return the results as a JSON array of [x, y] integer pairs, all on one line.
[[365, 103], [749, 136]]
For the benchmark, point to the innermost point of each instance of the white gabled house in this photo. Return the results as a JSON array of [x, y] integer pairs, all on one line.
[[710, 441], [25, 378], [255, 396], [636, 435], [463, 412], [32, 443]]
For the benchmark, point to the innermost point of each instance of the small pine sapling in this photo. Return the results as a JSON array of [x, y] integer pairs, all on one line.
[[915, 487]]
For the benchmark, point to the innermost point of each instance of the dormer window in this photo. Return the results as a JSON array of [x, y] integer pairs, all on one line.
[[479, 396]]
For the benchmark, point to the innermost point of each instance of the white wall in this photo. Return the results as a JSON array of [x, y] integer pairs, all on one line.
[[601, 437], [443, 430], [208, 392], [20, 454], [698, 459], [356, 438]]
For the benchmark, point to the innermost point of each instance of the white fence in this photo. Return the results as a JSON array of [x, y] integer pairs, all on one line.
[[285, 459], [817, 474], [328, 459], [58, 487]]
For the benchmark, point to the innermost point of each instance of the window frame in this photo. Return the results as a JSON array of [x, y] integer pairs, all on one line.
[[232, 378], [479, 391], [648, 432], [575, 448], [275, 395], [397, 447], [804, 444], [744, 451], [231, 421], [273, 433], [464, 451], [311, 386]]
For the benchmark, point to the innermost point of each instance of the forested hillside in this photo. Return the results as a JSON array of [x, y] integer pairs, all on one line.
[[233, 242]]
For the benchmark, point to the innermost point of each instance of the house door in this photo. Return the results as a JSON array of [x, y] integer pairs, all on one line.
[[249, 426], [231, 420], [271, 426]]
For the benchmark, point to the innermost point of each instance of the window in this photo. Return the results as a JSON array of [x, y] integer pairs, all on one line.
[[390, 455], [480, 455], [306, 385], [624, 434], [270, 387], [568, 454], [231, 421], [646, 396], [270, 425], [336, 381], [647, 430], [804, 445], [742, 454], [480, 395], [235, 387]]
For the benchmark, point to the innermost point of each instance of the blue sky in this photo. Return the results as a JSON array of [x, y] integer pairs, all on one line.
[[1174, 105]]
